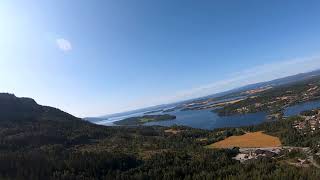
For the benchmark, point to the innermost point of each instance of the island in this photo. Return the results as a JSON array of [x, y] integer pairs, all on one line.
[[132, 121]]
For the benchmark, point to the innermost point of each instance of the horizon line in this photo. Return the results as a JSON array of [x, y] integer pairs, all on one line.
[[205, 96]]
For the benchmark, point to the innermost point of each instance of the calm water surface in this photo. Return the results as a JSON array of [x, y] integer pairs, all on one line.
[[205, 119], [296, 109]]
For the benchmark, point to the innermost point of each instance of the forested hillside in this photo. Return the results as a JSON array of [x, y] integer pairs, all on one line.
[[36, 144]]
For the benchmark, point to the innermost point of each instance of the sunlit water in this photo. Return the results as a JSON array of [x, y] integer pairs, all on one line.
[[296, 109], [205, 119]]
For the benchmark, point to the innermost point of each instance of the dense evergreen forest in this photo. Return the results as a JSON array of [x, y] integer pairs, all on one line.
[[144, 119], [38, 142]]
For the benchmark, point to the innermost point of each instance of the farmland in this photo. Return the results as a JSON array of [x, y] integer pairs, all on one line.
[[248, 140]]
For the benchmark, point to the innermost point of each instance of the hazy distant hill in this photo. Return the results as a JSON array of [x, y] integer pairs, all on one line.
[[233, 92], [280, 81]]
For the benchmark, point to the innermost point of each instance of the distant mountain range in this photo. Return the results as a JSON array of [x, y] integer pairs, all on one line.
[[279, 82], [272, 83], [235, 92]]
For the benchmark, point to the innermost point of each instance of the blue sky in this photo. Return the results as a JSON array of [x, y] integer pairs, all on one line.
[[95, 57]]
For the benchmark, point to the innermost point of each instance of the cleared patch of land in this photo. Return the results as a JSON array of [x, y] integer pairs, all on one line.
[[173, 131], [248, 140]]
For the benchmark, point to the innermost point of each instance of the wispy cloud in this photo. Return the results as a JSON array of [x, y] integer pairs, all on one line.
[[265, 72], [64, 44]]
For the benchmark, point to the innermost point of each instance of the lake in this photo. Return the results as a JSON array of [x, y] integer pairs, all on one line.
[[296, 109], [205, 119]]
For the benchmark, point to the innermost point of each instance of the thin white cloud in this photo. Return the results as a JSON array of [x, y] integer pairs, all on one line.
[[64, 44], [252, 75], [265, 72], [256, 74]]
